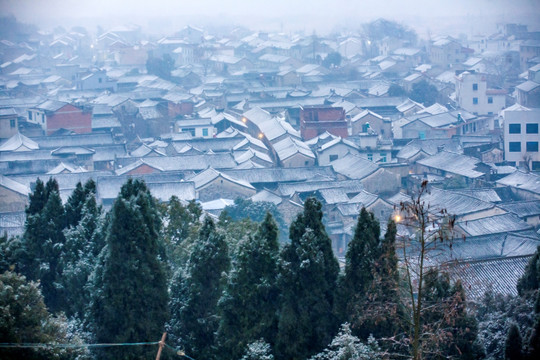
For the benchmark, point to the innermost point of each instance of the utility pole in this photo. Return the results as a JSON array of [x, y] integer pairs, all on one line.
[[161, 345]]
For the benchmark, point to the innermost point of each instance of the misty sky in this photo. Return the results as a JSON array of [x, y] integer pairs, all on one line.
[[464, 16]]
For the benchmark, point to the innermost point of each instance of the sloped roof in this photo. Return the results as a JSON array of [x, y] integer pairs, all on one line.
[[289, 147], [453, 202], [14, 185], [276, 175], [51, 105], [523, 208], [453, 163], [17, 142], [209, 175], [521, 180], [354, 166], [267, 196], [288, 189], [62, 167], [428, 146], [134, 165], [494, 224]]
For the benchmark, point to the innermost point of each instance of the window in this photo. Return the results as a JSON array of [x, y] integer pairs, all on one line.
[[514, 128], [422, 134], [189, 130], [205, 132], [383, 157], [475, 101], [531, 128], [333, 157], [490, 112], [514, 147], [100, 80], [490, 99], [532, 146], [29, 115], [475, 87], [12, 123], [370, 157]]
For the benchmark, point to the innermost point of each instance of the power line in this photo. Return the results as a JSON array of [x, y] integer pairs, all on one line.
[[71, 346], [78, 346]]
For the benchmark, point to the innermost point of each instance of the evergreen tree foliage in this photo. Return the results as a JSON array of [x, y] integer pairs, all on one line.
[[530, 281], [307, 282], [381, 313], [513, 344], [450, 330], [83, 245], [43, 242], [180, 231], [396, 90], [258, 350], [346, 346], [195, 292], [249, 303], [77, 200], [362, 253], [38, 198], [130, 294], [533, 350], [424, 93], [255, 211], [495, 314], [24, 319]]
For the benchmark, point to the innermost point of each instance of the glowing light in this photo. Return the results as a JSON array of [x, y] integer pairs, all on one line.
[[244, 120], [261, 135], [397, 218]]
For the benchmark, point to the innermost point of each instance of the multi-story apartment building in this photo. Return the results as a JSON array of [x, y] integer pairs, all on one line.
[[521, 138], [473, 94]]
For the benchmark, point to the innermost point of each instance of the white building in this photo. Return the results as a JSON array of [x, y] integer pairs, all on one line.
[[521, 137], [473, 95]]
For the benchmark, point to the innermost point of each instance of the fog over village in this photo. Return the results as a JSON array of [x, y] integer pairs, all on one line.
[[265, 180]]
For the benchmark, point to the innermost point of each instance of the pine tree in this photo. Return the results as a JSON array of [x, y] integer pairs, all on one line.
[[362, 253], [195, 292], [249, 303], [530, 280], [180, 233], [37, 199], [512, 348], [83, 245], [346, 346], [449, 328], [380, 312], [50, 271], [24, 319], [77, 200], [130, 294], [307, 282], [43, 242]]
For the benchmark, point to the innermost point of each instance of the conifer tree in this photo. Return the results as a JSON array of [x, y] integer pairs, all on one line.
[[195, 292], [38, 198], [450, 331], [130, 294], [513, 344], [307, 280], [362, 253], [77, 200], [530, 280], [249, 304], [83, 245], [380, 312], [24, 319], [43, 242]]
